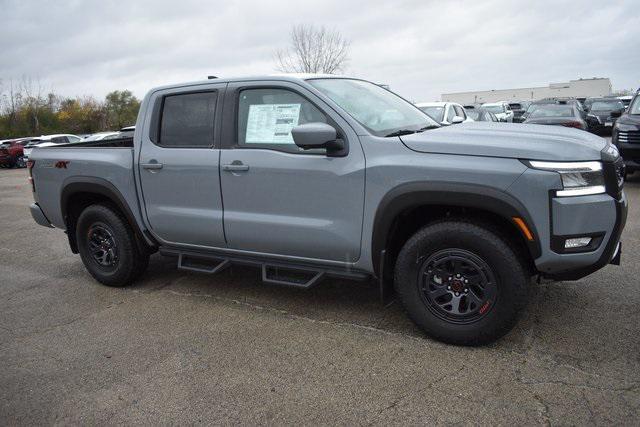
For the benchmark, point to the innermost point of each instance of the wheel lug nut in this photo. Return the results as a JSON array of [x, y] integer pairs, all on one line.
[[466, 290], [457, 275], [466, 281], [449, 287], [457, 294]]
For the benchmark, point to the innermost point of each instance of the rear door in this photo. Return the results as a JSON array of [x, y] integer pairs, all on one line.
[[279, 199], [178, 166]]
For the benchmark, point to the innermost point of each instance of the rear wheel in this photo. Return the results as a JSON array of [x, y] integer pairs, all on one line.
[[461, 282], [108, 247]]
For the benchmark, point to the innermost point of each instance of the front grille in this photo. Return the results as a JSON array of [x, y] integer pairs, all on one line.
[[629, 137]]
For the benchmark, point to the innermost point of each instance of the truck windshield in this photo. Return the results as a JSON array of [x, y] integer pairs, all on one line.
[[380, 111]]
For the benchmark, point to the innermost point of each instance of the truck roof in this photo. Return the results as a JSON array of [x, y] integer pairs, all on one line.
[[287, 77]]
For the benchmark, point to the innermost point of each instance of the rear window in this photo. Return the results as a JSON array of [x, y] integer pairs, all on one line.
[[607, 105], [187, 120], [552, 110]]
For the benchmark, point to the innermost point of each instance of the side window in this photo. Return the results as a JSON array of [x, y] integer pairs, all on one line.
[[266, 117], [460, 111], [72, 138], [187, 120], [450, 113], [59, 140]]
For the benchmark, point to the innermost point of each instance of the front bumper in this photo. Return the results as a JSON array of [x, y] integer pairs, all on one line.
[[39, 216], [609, 249]]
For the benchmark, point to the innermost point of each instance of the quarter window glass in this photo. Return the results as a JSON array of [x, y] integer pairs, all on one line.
[[266, 117], [459, 111], [187, 120]]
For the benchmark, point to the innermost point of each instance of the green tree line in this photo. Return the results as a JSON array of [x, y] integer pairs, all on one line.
[[25, 111]]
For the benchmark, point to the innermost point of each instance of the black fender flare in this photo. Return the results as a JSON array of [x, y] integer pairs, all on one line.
[[102, 187], [412, 195]]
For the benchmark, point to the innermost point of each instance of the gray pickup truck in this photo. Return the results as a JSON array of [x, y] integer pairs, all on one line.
[[309, 176]]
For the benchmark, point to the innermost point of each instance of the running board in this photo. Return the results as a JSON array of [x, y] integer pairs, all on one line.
[[291, 276], [202, 264], [273, 272]]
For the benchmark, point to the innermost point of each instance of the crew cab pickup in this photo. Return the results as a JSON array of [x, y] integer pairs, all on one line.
[[308, 176]]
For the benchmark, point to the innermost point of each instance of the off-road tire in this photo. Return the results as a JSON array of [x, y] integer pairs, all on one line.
[[131, 259], [484, 246]]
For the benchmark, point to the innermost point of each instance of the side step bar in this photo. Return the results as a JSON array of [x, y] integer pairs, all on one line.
[[278, 273], [209, 265]]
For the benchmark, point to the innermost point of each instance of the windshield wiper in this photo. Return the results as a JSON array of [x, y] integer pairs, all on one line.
[[428, 127], [400, 132]]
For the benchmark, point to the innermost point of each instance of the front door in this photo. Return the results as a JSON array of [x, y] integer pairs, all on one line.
[[178, 166], [279, 199]]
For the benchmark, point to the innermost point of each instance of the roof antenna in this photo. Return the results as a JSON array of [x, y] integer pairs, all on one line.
[[211, 77]]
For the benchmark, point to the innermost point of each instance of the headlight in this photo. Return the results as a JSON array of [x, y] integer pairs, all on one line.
[[625, 127], [578, 178]]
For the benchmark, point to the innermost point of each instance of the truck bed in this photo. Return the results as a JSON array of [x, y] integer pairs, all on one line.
[[110, 162]]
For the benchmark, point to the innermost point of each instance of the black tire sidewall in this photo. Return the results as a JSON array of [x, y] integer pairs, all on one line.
[[123, 273], [511, 279]]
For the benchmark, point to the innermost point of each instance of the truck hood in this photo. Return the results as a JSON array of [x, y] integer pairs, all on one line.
[[511, 140]]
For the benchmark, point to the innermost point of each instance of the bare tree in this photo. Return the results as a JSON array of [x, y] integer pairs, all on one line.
[[313, 50]]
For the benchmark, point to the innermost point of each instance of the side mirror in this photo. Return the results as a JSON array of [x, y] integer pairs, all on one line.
[[456, 120], [616, 113], [319, 135]]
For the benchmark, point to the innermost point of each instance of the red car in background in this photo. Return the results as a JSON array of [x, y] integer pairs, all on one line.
[[12, 152]]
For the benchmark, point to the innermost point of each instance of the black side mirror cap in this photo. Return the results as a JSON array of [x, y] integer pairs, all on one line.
[[319, 135]]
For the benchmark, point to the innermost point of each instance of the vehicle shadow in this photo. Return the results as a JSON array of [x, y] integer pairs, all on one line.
[[343, 302]]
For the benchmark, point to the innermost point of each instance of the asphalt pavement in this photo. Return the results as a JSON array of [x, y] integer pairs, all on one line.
[[187, 348]]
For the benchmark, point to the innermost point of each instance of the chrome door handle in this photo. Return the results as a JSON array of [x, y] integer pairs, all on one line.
[[235, 167], [152, 165]]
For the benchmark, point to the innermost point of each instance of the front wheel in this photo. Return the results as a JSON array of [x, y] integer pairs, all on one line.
[[20, 162], [461, 282], [108, 247]]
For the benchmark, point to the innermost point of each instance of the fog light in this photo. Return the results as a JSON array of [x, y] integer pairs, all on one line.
[[577, 242]]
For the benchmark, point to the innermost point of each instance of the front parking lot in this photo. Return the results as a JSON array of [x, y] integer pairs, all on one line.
[[188, 348]]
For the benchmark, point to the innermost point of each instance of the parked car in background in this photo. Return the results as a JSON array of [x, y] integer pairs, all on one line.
[[501, 110], [481, 115], [556, 114], [99, 136], [49, 140], [125, 132], [445, 113], [602, 114], [626, 135], [518, 109], [626, 100], [554, 101], [12, 153]]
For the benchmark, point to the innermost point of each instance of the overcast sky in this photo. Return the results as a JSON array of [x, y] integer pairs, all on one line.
[[420, 48]]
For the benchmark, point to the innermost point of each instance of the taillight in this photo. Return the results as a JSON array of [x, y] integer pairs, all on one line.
[[30, 165], [573, 125]]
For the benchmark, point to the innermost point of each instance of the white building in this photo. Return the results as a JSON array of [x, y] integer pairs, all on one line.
[[572, 88]]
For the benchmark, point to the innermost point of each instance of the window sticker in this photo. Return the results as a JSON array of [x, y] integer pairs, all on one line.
[[271, 123]]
